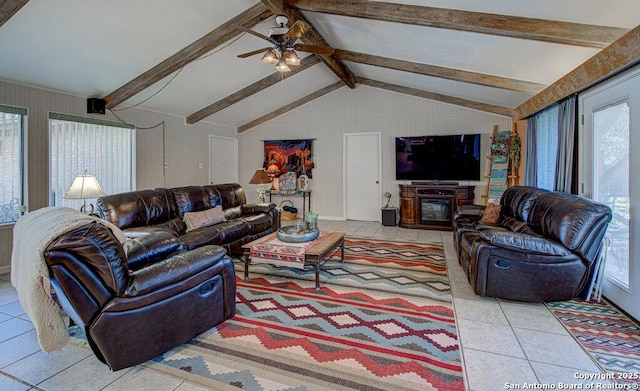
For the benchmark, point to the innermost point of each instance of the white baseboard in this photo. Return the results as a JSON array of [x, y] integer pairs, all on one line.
[[331, 218], [5, 269]]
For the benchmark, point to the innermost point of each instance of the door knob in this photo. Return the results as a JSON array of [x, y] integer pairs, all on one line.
[[377, 182]]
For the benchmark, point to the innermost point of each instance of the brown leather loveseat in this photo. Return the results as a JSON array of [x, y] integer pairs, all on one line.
[[544, 246], [236, 222]]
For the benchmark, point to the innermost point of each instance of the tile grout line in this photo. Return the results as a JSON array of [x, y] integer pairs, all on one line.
[[26, 383]]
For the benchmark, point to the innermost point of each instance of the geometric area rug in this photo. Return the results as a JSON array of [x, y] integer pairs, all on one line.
[[608, 335], [382, 320]]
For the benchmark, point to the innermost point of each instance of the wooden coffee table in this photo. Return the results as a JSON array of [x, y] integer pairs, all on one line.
[[317, 255]]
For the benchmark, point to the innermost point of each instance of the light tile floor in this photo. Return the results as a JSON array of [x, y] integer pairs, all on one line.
[[504, 344]]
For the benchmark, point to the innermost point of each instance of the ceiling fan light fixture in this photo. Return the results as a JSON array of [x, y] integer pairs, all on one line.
[[282, 65], [270, 57], [291, 58], [281, 20]]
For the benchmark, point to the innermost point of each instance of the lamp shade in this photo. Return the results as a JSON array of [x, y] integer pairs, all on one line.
[[83, 187], [270, 57], [260, 177], [291, 58], [282, 66]]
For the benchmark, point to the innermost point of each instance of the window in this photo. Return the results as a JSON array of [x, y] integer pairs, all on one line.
[[103, 148], [547, 150], [11, 163]]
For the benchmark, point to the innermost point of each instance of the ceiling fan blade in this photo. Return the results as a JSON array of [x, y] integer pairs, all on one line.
[[316, 49], [252, 53], [257, 34], [298, 29]]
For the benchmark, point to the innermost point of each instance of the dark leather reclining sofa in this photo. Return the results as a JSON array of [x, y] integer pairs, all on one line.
[[163, 286], [543, 248], [144, 211]]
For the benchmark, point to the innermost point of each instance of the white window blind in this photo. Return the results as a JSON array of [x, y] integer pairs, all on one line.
[[103, 148], [11, 163]]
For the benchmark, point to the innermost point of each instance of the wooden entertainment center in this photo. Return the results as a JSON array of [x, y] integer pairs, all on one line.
[[431, 206]]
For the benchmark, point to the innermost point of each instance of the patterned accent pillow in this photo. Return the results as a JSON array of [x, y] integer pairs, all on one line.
[[491, 214], [204, 218]]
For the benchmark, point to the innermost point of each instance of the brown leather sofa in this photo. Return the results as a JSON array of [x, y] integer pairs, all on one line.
[[144, 211], [141, 298], [543, 248]]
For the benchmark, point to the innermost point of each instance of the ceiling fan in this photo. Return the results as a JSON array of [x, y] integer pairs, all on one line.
[[283, 39]]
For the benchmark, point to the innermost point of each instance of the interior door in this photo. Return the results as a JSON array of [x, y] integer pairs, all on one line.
[[362, 168], [223, 160], [610, 114]]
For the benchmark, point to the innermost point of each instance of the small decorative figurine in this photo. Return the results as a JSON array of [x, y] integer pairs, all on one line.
[[303, 182]]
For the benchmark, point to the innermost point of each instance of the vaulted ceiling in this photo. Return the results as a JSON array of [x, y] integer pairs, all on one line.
[[181, 57]]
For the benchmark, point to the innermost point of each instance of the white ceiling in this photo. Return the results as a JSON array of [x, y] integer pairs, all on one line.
[[90, 48]]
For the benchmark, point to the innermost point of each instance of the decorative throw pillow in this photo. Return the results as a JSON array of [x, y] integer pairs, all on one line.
[[491, 214], [204, 218]]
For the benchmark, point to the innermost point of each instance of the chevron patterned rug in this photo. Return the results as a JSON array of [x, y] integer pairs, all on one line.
[[383, 320], [610, 337]]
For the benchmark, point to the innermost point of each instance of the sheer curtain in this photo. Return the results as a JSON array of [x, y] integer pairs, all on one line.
[[531, 171], [546, 140], [566, 141], [551, 138]]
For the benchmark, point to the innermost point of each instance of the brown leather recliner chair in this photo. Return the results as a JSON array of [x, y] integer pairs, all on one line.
[[139, 299]]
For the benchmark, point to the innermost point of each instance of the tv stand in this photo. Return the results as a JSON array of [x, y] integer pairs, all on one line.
[[432, 206], [435, 183]]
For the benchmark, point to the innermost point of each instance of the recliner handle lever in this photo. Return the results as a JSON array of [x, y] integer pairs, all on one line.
[[206, 287], [502, 263]]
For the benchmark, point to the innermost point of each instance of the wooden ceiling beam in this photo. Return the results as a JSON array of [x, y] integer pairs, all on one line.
[[619, 55], [246, 92], [290, 106], [577, 34], [441, 72], [313, 37], [8, 8], [197, 49], [438, 97]]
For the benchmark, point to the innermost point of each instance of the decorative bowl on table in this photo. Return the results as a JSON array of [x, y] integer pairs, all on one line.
[[295, 234]]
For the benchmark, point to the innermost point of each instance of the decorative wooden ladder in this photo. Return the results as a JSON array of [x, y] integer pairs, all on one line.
[[502, 173]]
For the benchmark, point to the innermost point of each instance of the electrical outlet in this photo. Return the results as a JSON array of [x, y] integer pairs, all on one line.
[[200, 165]]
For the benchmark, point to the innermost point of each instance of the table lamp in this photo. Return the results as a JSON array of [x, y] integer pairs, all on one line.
[[259, 178], [83, 187], [273, 171]]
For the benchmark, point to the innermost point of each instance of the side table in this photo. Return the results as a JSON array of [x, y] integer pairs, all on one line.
[[305, 194]]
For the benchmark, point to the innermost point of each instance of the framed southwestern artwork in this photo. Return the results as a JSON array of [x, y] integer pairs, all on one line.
[[290, 155]]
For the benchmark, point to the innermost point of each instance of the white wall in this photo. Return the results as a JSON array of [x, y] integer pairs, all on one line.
[[365, 109]]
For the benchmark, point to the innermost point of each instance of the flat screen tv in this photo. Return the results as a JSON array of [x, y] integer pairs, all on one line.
[[438, 158]]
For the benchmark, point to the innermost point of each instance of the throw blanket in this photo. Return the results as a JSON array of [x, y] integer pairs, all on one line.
[[32, 234]]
